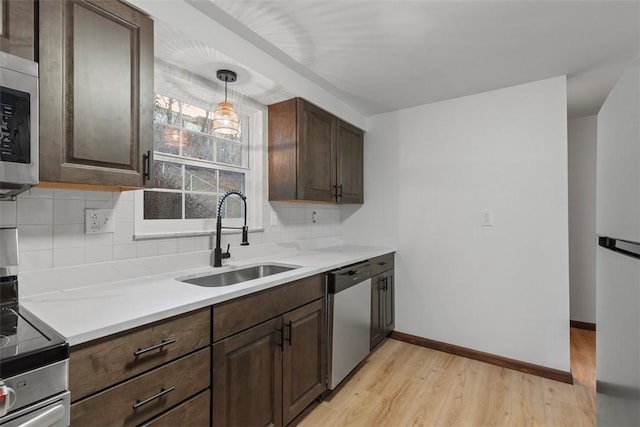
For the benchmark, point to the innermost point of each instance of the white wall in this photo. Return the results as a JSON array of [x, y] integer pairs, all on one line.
[[429, 170], [582, 218]]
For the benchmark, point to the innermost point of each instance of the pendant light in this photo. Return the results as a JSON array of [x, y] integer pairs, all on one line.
[[225, 119]]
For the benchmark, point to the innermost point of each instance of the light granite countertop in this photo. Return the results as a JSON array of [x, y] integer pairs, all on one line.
[[92, 301]]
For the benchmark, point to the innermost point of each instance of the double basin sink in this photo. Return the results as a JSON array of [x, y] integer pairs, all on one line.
[[233, 277]]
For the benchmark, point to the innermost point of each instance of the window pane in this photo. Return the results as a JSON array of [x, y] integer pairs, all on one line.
[[233, 207], [200, 206], [166, 139], [200, 179], [165, 110], [195, 118], [159, 205], [167, 175], [229, 152], [198, 146], [231, 181]]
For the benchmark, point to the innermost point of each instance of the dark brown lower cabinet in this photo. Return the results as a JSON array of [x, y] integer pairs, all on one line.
[[303, 367], [377, 330], [247, 377], [268, 374], [382, 306]]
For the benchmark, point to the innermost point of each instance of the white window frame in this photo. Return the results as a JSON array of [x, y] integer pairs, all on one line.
[[159, 228]]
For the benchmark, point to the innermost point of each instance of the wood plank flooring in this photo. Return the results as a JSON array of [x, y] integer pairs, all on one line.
[[406, 385]]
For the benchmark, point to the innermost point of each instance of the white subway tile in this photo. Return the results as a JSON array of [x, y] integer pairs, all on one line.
[[36, 260], [68, 211], [186, 244], [146, 248], [98, 254], [64, 194], [168, 246], [35, 211], [68, 256], [127, 251], [123, 233], [8, 213], [36, 192], [98, 239], [35, 237], [68, 236], [125, 195], [124, 211], [203, 243], [98, 204], [98, 195]]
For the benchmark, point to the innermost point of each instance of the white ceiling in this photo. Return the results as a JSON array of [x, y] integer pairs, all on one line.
[[379, 56]]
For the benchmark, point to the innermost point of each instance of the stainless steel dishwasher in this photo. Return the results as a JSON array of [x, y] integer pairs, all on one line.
[[349, 319]]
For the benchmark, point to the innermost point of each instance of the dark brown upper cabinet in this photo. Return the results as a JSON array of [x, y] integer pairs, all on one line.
[[18, 28], [313, 155], [96, 93]]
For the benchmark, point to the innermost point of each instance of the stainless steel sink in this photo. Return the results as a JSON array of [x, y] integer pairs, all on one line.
[[236, 276]]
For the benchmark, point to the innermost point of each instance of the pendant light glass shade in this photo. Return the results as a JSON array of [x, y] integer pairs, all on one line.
[[225, 118]]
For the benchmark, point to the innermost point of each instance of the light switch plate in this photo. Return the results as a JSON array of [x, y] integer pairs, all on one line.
[[274, 218], [99, 221], [486, 218]]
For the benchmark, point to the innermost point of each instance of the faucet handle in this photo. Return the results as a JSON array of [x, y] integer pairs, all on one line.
[[225, 255]]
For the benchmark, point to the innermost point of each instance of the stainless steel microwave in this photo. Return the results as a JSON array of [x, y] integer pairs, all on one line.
[[18, 125]]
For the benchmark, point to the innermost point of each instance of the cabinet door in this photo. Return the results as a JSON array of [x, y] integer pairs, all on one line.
[[17, 28], [304, 367], [388, 302], [247, 377], [96, 93], [377, 321], [316, 153], [349, 145]]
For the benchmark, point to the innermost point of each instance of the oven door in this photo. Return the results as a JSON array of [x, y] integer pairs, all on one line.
[[52, 412]]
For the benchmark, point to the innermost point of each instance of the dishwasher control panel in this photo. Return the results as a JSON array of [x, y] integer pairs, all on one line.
[[348, 276]]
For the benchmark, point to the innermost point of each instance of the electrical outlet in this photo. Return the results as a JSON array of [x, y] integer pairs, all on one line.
[[486, 218], [99, 221]]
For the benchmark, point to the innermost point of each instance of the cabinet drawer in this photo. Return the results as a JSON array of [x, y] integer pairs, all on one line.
[[99, 364], [193, 412], [124, 405], [239, 314], [381, 263]]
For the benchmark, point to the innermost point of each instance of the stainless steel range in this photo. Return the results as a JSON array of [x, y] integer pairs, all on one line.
[[33, 357]]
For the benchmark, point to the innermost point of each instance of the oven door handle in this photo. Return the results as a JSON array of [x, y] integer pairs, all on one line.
[[47, 418]]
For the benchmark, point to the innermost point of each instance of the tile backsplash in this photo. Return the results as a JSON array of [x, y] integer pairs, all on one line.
[[51, 228]]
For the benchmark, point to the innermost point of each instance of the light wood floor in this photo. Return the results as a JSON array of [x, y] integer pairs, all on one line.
[[405, 385]]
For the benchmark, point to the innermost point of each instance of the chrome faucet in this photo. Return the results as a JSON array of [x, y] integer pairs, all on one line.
[[218, 255]]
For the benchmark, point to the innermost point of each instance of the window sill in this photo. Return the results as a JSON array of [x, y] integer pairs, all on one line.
[[155, 236]]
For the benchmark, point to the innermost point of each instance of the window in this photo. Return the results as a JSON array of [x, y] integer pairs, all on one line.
[[193, 168]]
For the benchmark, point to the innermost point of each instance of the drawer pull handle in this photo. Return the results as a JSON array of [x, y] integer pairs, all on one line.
[[163, 391], [161, 344]]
